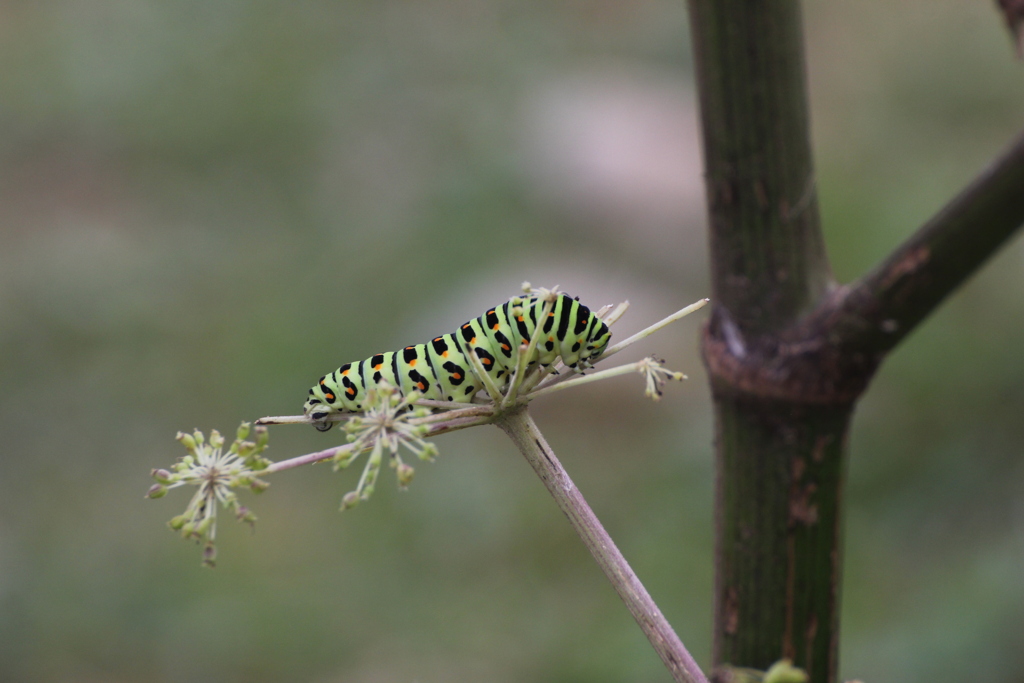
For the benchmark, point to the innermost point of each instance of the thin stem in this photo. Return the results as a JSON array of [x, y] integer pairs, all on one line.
[[584, 379], [286, 420], [432, 403], [452, 414], [307, 459], [614, 313], [458, 423], [646, 332], [536, 377], [531, 443]]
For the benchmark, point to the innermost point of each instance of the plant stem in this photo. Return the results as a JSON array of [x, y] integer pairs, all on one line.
[[875, 313], [585, 379], [780, 431], [307, 459], [521, 428], [646, 332], [768, 258], [788, 352]]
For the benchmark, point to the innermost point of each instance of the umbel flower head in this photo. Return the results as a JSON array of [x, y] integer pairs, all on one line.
[[215, 473], [388, 423], [655, 376]]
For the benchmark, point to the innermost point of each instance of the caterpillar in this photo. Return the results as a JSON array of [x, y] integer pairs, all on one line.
[[440, 369]]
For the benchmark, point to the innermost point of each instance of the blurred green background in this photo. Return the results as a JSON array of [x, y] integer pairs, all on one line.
[[206, 205]]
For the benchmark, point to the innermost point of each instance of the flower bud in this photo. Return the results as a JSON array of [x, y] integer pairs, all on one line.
[[256, 463], [178, 522], [429, 452], [162, 476], [259, 486], [350, 500], [244, 514], [156, 491], [405, 474], [216, 440], [243, 431], [187, 441], [198, 436]]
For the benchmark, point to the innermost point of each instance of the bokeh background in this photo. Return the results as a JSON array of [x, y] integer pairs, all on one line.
[[206, 205]]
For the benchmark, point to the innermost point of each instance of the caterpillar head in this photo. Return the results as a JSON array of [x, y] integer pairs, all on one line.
[[597, 345], [318, 408], [319, 414]]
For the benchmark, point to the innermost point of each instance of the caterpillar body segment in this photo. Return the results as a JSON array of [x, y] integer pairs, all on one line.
[[440, 368]]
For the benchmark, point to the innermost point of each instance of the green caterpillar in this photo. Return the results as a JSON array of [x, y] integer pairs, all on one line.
[[440, 369]]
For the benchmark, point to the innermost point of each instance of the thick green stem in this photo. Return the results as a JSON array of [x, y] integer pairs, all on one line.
[[788, 352], [767, 256], [521, 428], [779, 445], [779, 482]]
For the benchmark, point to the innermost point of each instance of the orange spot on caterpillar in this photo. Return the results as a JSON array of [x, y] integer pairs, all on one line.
[[444, 355], [520, 318], [378, 366], [551, 339], [437, 339], [344, 372], [456, 375], [329, 396], [495, 326], [485, 361], [551, 314], [465, 326], [505, 346], [422, 386], [351, 391], [473, 340], [412, 363]]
